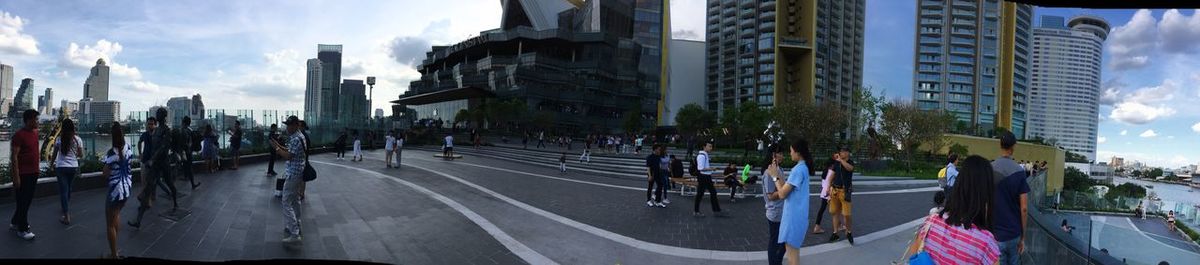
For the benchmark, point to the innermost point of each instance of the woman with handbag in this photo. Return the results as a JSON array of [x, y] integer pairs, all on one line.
[[959, 233]]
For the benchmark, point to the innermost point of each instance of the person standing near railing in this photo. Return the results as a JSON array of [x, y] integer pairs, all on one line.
[[1009, 207], [25, 160], [959, 233]]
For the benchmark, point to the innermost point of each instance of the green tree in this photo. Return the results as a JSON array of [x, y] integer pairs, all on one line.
[[909, 126], [693, 119], [1136, 173], [1154, 173], [1127, 190], [818, 124], [746, 119], [1075, 180], [961, 150]]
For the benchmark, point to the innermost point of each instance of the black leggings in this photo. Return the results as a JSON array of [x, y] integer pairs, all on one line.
[[341, 150], [658, 193], [706, 184], [821, 213], [733, 186]]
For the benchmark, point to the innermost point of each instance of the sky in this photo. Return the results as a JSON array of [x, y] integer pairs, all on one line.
[[251, 54]]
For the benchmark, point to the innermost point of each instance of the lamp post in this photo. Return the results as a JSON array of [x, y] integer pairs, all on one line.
[[370, 96]]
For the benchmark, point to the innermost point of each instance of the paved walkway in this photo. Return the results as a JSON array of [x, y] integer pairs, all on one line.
[[470, 211]]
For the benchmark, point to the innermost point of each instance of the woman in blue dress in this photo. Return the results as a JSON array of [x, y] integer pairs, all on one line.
[[120, 179], [794, 192]]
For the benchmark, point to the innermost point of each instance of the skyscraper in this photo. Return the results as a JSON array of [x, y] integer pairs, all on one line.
[[24, 99], [178, 107], [1066, 82], [331, 74], [959, 47], [46, 101], [313, 92], [353, 103], [96, 86], [6, 87], [775, 51]]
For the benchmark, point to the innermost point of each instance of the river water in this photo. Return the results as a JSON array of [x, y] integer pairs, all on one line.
[[1168, 192], [92, 144]]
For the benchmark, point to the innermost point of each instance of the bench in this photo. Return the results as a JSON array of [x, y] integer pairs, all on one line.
[[688, 186]]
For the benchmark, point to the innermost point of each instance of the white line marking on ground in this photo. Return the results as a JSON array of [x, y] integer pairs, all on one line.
[[665, 249], [516, 247], [1139, 231]]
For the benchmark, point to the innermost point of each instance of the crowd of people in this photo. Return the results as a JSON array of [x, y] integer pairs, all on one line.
[[163, 151]]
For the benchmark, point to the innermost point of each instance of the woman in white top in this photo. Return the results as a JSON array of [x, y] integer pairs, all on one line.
[[388, 144], [66, 152], [358, 156]]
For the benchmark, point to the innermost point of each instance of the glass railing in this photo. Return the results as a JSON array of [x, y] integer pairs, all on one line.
[[1101, 230]]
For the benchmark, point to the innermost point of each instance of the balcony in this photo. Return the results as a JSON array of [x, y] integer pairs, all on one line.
[[794, 42], [767, 15], [932, 3], [767, 4], [932, 12], [967, 32], [747, 3], [926, 21], [964, 13], [964, 22], [961, 3]]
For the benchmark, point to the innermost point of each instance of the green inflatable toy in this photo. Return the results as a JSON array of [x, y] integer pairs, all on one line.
[[746, 173]]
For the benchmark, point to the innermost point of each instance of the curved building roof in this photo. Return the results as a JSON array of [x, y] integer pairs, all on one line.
[[1095, 25], [538, 14]]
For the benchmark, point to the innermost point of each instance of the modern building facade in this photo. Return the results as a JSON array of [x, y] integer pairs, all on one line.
[[179, 107], [24, 98], [313, 92], [686, 65], [6, 88], [68, 108], [98, 113], [46, 101], [331, 76], [770, 52], [584, 65], [1066, 82], [96, 85], [353, 112], [959, 62]]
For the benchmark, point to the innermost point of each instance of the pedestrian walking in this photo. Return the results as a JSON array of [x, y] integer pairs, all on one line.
[[654, 186], [340, 145], [958, 234], [235, 143], [794, 192], [399, 146], [24, 160], [586, 156], [541, 139], [358, 156], [826, 176], [272, 136], [949, 173], [448, 147], [562, 163], [638, 149], [183, 148], [664, 165], [295, 155], [388, 146], [66, 152], [120, 180], [705, 182], [774, 206], [157, 165], [841, 187], [1009, 210]]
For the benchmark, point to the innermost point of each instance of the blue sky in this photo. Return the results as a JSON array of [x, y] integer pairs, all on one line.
[[250, 54]]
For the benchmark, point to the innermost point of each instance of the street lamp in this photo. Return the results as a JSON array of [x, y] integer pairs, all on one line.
[[371, 96]]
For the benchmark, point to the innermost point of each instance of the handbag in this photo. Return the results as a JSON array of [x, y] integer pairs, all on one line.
[[309, 173], [921, 257]]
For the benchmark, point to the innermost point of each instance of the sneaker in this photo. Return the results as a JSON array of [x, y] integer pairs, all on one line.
[[697, 214], [732, 200], [27, 235], [666, 201], [660, 205], [833, 237], [850, 238], [292, 240], [649, 203]]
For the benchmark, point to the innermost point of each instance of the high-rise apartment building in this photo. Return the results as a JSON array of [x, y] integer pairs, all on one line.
[[6, 88], [46, 101], [771, 51], [96, 86], [959, 62], [24, 98], [1066, 82], [179, 107], [331, 76], [312, 92]]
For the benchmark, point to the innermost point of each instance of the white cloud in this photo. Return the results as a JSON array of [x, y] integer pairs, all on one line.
[[1124, 132], [1110, 96], [86, 57], [1196, 127], [144, 86], [1160, 93], [1170, 137], [1138, 113], [1178, 33], [1148, 134], [12, 40], [1101, 139], [1130, 44]]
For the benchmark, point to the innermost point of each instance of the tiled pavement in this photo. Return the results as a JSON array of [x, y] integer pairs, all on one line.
[[349, 216], [234, 216]]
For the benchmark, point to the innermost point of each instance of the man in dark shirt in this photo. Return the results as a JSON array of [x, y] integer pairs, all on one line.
[[183, 146], [272, 136], [841, 187], [157, 168], [25, 163], [653, 173], [1009, 210]]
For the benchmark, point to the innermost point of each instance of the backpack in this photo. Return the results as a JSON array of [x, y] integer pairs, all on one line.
[[942, 174]]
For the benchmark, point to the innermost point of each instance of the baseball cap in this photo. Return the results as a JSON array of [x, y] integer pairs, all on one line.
[[292, 120]]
